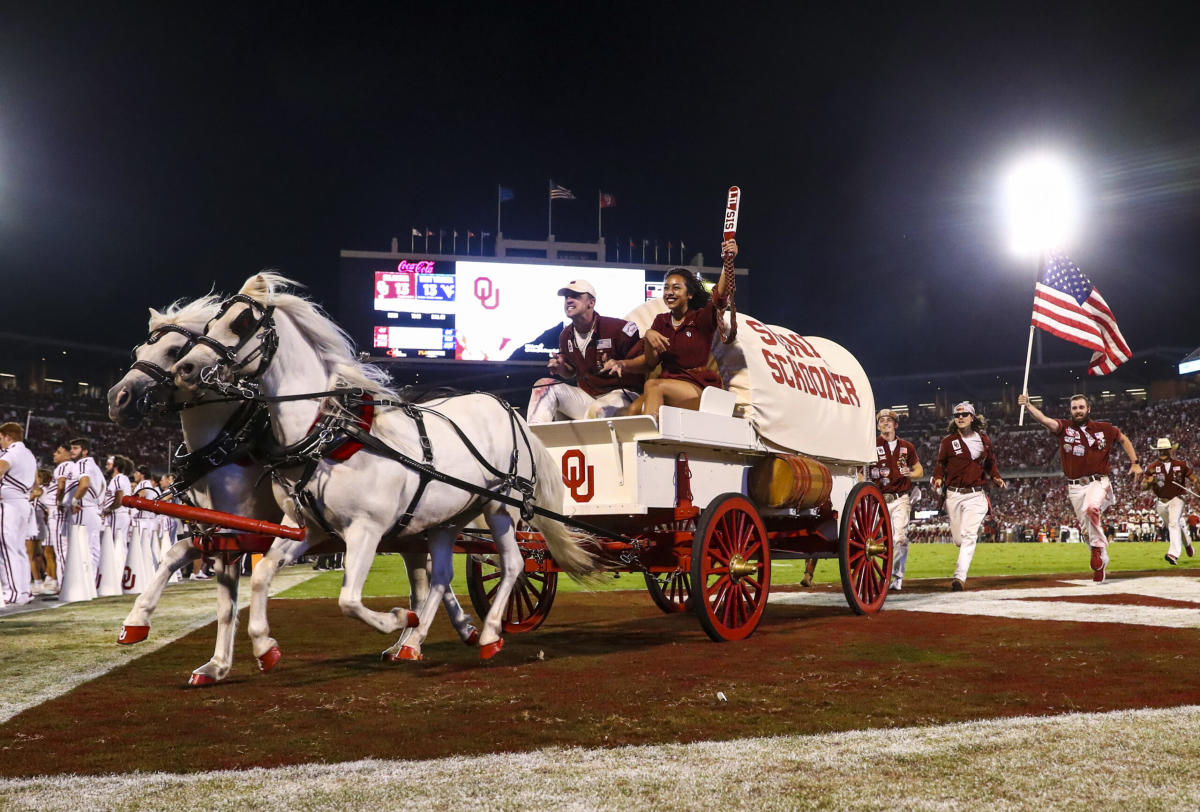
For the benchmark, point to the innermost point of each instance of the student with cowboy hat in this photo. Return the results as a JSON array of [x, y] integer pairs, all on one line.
[[1165, 477]]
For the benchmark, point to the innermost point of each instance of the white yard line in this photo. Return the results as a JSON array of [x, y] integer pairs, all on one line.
[[1123, 760], [1014, 603], [47, 652]]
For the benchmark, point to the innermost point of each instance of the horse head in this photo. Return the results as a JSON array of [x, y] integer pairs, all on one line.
[[149, 382], [240, 339]]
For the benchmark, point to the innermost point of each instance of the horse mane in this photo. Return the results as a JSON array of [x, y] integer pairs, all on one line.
[[331, 343], [183, 312]]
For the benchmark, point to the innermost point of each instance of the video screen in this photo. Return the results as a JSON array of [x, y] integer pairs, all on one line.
[[474, 310]]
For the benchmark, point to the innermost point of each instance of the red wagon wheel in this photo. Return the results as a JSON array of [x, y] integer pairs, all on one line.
[[532, 595], [865, 549], [731, 568], [670, 591]]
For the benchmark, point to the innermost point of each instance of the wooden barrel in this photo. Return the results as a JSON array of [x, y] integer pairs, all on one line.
[[789, 480]]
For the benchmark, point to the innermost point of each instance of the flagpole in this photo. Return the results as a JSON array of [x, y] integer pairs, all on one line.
[[1029, 349], [599, 217], [497, 209], [550, 210], [412, 240]]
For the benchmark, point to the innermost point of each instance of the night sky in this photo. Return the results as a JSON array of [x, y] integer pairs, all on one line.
[[148, 151]]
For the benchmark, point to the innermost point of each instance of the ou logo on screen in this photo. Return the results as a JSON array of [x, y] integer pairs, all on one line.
[[484, 290], [576, 473]]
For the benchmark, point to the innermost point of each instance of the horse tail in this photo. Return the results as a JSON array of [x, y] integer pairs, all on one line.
[[564, 544]]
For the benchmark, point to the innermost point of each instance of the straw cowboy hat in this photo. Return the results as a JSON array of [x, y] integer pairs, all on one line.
[[1165, 444]]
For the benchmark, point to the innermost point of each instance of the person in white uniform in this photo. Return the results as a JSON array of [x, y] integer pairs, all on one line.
[[18, 472], [89, 487], [115, 515]]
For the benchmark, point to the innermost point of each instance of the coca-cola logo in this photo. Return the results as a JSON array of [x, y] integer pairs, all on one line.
[[420, 266]]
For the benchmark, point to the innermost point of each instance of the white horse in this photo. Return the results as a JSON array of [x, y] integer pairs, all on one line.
[[230, 487], [288, 347], [237, 486]]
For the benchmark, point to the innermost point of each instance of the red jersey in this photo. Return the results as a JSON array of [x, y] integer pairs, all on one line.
[[954, 462], [691, 345], [1085, 450], [611, 338], [886, 471], [1167, 477]]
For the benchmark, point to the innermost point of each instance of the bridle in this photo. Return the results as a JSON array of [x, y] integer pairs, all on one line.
[[227, 364], [162, 379]]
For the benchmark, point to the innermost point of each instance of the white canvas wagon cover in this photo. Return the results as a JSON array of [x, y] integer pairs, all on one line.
[[801, 393]]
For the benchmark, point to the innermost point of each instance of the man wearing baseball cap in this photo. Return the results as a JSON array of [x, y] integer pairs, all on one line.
[[1084, 446], [1166, 477], [584, 346], [965, 462]]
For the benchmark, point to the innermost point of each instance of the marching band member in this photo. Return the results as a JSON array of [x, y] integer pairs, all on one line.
[[965, 462], [18, 472]]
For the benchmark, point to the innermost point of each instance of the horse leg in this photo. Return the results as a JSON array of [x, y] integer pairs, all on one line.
[[418, 567], [361, 543], [266, 648], [136, 627], [218, 667], [511, 565], [441, 548]]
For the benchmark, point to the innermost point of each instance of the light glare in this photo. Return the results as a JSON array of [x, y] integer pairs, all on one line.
[[1041, 204]]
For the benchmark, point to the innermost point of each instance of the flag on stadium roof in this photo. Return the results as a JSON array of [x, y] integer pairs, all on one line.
[[504, 193], [416, 233], [607, 201], [1068, 305], [560, 192]]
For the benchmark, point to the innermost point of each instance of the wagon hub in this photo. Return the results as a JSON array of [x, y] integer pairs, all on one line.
[[876, 547], [740, 568]]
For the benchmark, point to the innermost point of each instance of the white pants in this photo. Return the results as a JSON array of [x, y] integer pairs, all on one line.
[[14, 557], [89, 517], [1169, 512], [966, 512], [1090, 500], [549, 399], [118, 523], [900, 510]]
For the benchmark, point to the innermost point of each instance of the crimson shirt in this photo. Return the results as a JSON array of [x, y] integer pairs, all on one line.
[[1085, 450], [1166, 483], [886, 470], [691, 345], [954, 462], [611, 338]]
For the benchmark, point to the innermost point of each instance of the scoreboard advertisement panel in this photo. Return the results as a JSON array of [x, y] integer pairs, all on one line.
[[497, 310]]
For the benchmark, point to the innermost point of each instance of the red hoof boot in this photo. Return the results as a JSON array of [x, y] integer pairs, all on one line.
[[491, 649], [472, 638], [133, 634], [270, 659], [405, 653], [411, 621], [201, 679]]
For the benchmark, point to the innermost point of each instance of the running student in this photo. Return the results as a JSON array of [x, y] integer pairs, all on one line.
[[1085, 445]]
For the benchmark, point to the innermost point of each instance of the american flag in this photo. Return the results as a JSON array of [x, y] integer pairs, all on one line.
[[560, 192], [1068, 305]]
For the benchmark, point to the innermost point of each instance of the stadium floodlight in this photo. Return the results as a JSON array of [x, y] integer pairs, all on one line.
[[1042, 207]]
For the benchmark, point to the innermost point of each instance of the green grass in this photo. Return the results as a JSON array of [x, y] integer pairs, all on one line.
[[388, 576]]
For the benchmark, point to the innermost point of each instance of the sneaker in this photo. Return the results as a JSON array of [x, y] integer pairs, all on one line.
[[1097, 558], [1172, 560], [1187, 548], [199, 576], [956, 585], [895, 585], [1098, 575]]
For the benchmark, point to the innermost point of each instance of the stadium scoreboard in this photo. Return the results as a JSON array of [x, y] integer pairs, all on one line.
[[487, 309]]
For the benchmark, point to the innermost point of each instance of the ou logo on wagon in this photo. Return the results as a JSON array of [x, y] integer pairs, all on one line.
[[576, 474]]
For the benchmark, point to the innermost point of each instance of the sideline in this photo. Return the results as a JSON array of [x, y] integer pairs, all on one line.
[[51, 649]]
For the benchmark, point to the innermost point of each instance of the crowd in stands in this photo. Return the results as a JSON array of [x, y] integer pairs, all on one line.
[[53, 419]]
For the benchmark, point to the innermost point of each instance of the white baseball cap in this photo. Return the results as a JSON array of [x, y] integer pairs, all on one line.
[[577, 286], [965, 406]]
